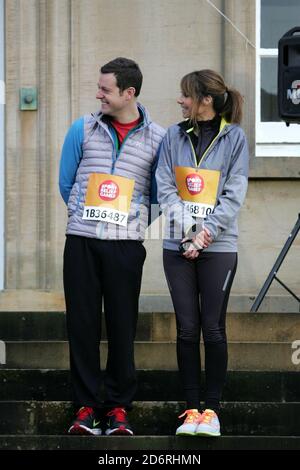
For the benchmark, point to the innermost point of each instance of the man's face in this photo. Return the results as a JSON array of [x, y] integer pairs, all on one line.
[[112, 100]]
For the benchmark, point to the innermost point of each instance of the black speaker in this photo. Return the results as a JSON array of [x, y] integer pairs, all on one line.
[[289, 76]]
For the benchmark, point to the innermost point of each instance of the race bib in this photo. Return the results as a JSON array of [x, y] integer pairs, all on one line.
[[108, 198], [198, 189]]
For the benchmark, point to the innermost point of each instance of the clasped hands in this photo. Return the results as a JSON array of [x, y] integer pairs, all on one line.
[[202, 240]]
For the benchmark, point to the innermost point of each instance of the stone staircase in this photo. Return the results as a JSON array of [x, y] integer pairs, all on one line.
[[261, 407]]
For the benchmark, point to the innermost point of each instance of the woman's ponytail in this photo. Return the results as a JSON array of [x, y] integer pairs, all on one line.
[[232, 109]]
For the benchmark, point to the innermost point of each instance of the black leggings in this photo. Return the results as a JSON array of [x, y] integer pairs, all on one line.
[[209, 276]]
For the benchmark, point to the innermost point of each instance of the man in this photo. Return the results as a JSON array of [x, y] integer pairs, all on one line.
[[107, 165]]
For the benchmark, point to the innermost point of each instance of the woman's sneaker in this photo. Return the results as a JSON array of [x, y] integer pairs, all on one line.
[[191, 422], [85, 422], [118, 424], [210, 424]]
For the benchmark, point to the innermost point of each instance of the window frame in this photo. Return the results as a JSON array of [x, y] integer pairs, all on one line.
[[272, 138]]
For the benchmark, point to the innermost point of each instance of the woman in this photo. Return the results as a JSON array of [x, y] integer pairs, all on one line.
[[202, 180]]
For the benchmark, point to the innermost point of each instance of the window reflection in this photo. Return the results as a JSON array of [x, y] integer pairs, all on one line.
[[277, 17], [269, 110]]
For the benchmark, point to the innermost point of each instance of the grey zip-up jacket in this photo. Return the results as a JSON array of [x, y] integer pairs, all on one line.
[[135, 159], [228, 153]]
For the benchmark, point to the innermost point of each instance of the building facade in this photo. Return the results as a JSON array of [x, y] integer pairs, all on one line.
[[57, 48]]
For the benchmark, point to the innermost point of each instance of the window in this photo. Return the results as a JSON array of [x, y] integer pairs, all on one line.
[[273, 18]]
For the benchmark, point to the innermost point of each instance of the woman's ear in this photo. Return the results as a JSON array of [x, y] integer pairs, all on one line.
[[207, 100]]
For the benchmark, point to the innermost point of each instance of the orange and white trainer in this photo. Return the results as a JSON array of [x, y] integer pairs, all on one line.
[[209, 425], [191, 422]]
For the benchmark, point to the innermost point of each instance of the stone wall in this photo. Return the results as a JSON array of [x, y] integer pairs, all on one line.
[[58, 46]]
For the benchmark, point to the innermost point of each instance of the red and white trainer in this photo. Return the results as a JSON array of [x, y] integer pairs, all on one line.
[[118, 424], [85, 422]]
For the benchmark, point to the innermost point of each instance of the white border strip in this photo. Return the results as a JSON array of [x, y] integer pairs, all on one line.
[[2, 167]]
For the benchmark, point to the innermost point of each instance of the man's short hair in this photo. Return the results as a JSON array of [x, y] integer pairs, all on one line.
[[127, 73]]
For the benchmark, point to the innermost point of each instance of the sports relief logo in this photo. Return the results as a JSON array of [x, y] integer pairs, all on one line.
[[108, 190], [194, 183], [293, 93]]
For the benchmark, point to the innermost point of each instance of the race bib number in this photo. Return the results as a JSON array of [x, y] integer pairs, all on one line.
[[198, 189], [108, 198]]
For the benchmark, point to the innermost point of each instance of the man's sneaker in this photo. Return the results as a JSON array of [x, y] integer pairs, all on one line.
[[118, 424], [188, 428], [210, 424], [85, 422]]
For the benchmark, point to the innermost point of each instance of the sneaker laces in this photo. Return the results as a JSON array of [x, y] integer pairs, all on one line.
[[84, 412], [192, 416], [119, 413], [207, 416]]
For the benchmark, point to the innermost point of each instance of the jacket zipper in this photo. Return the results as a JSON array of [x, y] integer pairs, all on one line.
[[118, 150], [222, 125]]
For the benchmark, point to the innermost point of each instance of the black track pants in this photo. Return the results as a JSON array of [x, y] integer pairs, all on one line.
[[200, 291], [112, 270]]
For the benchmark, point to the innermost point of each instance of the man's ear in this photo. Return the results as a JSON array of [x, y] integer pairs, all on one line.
[[130, 92]]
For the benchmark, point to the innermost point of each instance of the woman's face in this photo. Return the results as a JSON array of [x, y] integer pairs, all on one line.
[[186, 103], [205, 109]]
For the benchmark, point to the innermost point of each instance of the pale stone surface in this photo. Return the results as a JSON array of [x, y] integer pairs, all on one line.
[[58, 46]]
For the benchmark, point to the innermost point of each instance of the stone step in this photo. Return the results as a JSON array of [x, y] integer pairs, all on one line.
[[138, 443], [26, 300], [43, 326], [152, 355], [155, 418], [35, 384]]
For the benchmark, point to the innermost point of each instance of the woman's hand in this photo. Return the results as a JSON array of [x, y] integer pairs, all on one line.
[[203, 239], [192, 251]]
